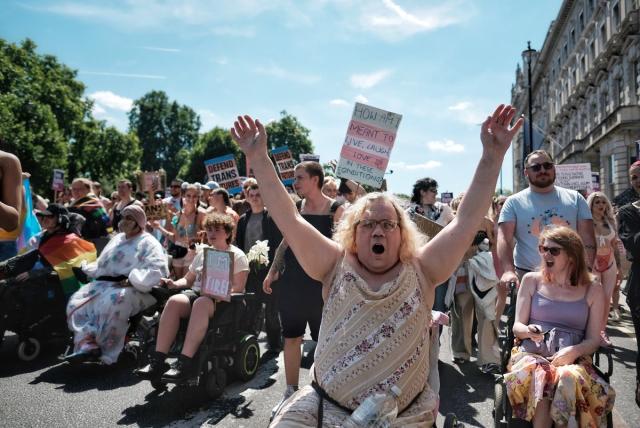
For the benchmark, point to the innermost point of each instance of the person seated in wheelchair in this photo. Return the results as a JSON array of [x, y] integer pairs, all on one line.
[[121, 280], [189, 304], [550, 376], [58, 248]]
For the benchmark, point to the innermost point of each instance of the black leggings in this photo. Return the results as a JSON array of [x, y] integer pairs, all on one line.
[[633, 300]]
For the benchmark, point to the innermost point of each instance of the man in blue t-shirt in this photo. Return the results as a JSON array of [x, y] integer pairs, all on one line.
[[525, 214]]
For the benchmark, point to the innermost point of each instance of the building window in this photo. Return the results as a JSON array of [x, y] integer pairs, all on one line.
[[580, 22], [583, 65], [603, 36], [592, 50], [620, 91], [636, 75], [615, 16]]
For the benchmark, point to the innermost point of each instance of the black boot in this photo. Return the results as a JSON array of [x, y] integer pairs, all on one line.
[[180, 371], [156, 367]]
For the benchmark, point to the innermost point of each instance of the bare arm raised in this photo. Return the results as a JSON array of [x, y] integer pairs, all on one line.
[[11, 181], [439, 257], [305, 240]]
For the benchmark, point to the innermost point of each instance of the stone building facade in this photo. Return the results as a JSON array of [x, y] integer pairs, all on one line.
[[585, 90]]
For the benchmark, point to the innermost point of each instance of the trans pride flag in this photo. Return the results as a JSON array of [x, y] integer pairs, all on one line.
[[30, 226], [64, 252]]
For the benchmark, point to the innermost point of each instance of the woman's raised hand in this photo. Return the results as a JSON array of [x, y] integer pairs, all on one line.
[[497, 132], [250, 135]]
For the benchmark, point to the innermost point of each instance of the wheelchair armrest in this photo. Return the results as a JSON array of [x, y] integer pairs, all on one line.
[[161, 294], [608, 351], [237, 297]]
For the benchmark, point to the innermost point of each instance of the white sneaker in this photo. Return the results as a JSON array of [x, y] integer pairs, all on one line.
[[287, 393]]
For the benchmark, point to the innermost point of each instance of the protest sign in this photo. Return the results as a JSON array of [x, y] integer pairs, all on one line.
[[151, 181], [224, 171], [576, 176], [446, 197], [595, 182], [426, 226], [217, 274], [155, 211], [284, 163], [304, 157], [58, 180], [367, 147]]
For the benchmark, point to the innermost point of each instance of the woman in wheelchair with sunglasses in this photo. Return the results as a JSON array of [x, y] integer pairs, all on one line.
[[558, 322]]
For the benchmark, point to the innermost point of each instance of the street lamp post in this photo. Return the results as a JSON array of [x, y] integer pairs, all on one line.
[[529, 52]]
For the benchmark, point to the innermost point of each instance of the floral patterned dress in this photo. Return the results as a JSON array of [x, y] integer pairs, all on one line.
[[98, 314]]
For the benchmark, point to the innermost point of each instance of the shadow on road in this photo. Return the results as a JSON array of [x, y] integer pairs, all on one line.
[[461, 391], [10, 365], [192, 406]]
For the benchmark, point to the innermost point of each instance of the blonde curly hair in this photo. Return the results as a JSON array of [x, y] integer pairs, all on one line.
[[411, 238]]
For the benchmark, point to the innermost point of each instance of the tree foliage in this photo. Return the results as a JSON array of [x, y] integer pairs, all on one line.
[[288, 131], [166, 131], [104, 153], [41, 109], [214, 143]]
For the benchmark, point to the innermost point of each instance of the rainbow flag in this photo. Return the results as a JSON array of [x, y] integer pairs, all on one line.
[[93, 211], [64, 252]]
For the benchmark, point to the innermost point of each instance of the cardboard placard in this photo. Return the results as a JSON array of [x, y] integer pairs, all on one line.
[[155, 211], [367, 146], [150, 181], [426, 226], [576, 176], [446, 197], [58, 180], [224, 171], [284, 164], [217, 274]]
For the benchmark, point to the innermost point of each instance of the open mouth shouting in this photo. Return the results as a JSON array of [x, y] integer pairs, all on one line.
[[377, 248]]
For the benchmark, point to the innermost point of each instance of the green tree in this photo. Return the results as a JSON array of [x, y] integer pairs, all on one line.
[[166, 131], [41, 109], [214, 143], [104, 153], [288, 131]]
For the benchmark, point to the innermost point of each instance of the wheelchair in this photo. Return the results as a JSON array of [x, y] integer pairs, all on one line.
[[229, 348], [33, 309], [502, 410]]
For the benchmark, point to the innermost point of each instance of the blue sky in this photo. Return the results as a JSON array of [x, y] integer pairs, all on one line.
[[444, 65]]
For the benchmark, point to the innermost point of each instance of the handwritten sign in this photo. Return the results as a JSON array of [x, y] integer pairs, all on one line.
[[367, 147], [576, 176], [224, 171], [155, 211], [217, 274], [58, 180], [150, 181], [304, 157], [284, 163]]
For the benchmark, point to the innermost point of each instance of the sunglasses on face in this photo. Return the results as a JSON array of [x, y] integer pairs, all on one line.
[[369, 225], [554, 251], [536, 167]]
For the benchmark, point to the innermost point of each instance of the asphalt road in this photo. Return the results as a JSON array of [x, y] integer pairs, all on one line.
[[46, 393]]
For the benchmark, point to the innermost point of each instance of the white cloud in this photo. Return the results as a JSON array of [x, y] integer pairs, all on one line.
[[280, 73], [448, 146], [133, 76], [234, 32], [366, 81], [158, 49], [395, 22], [98, 110], [107, 99], [463, 105], [339, 102], [210, 120], [412, 167], [361, 99], [223, 60]]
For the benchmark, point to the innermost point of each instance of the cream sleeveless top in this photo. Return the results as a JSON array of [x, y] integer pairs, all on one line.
[[370, 341]]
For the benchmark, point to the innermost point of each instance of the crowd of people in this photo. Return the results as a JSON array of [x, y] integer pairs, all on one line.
[[369, 300]]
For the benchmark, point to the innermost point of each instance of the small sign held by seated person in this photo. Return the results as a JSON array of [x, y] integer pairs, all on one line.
[[217, 274]]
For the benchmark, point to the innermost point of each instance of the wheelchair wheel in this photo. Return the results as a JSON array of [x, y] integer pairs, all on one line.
[[215, 382], [29, 349], [451, 421], [247, 358], [500, 395]]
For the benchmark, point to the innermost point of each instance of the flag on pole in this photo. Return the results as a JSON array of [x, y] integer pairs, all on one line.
[[30, 226]]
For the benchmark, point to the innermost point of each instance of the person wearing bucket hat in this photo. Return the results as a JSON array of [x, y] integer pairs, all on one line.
[[121, 279]]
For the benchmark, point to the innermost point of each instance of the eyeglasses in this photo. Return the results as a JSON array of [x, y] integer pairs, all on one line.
[[536, 167], [554, 251], [387, 225]]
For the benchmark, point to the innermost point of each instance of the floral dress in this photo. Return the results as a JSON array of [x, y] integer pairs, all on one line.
[[98, 314]]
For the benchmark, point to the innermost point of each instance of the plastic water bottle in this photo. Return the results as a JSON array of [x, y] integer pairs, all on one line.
[[376, 411]]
